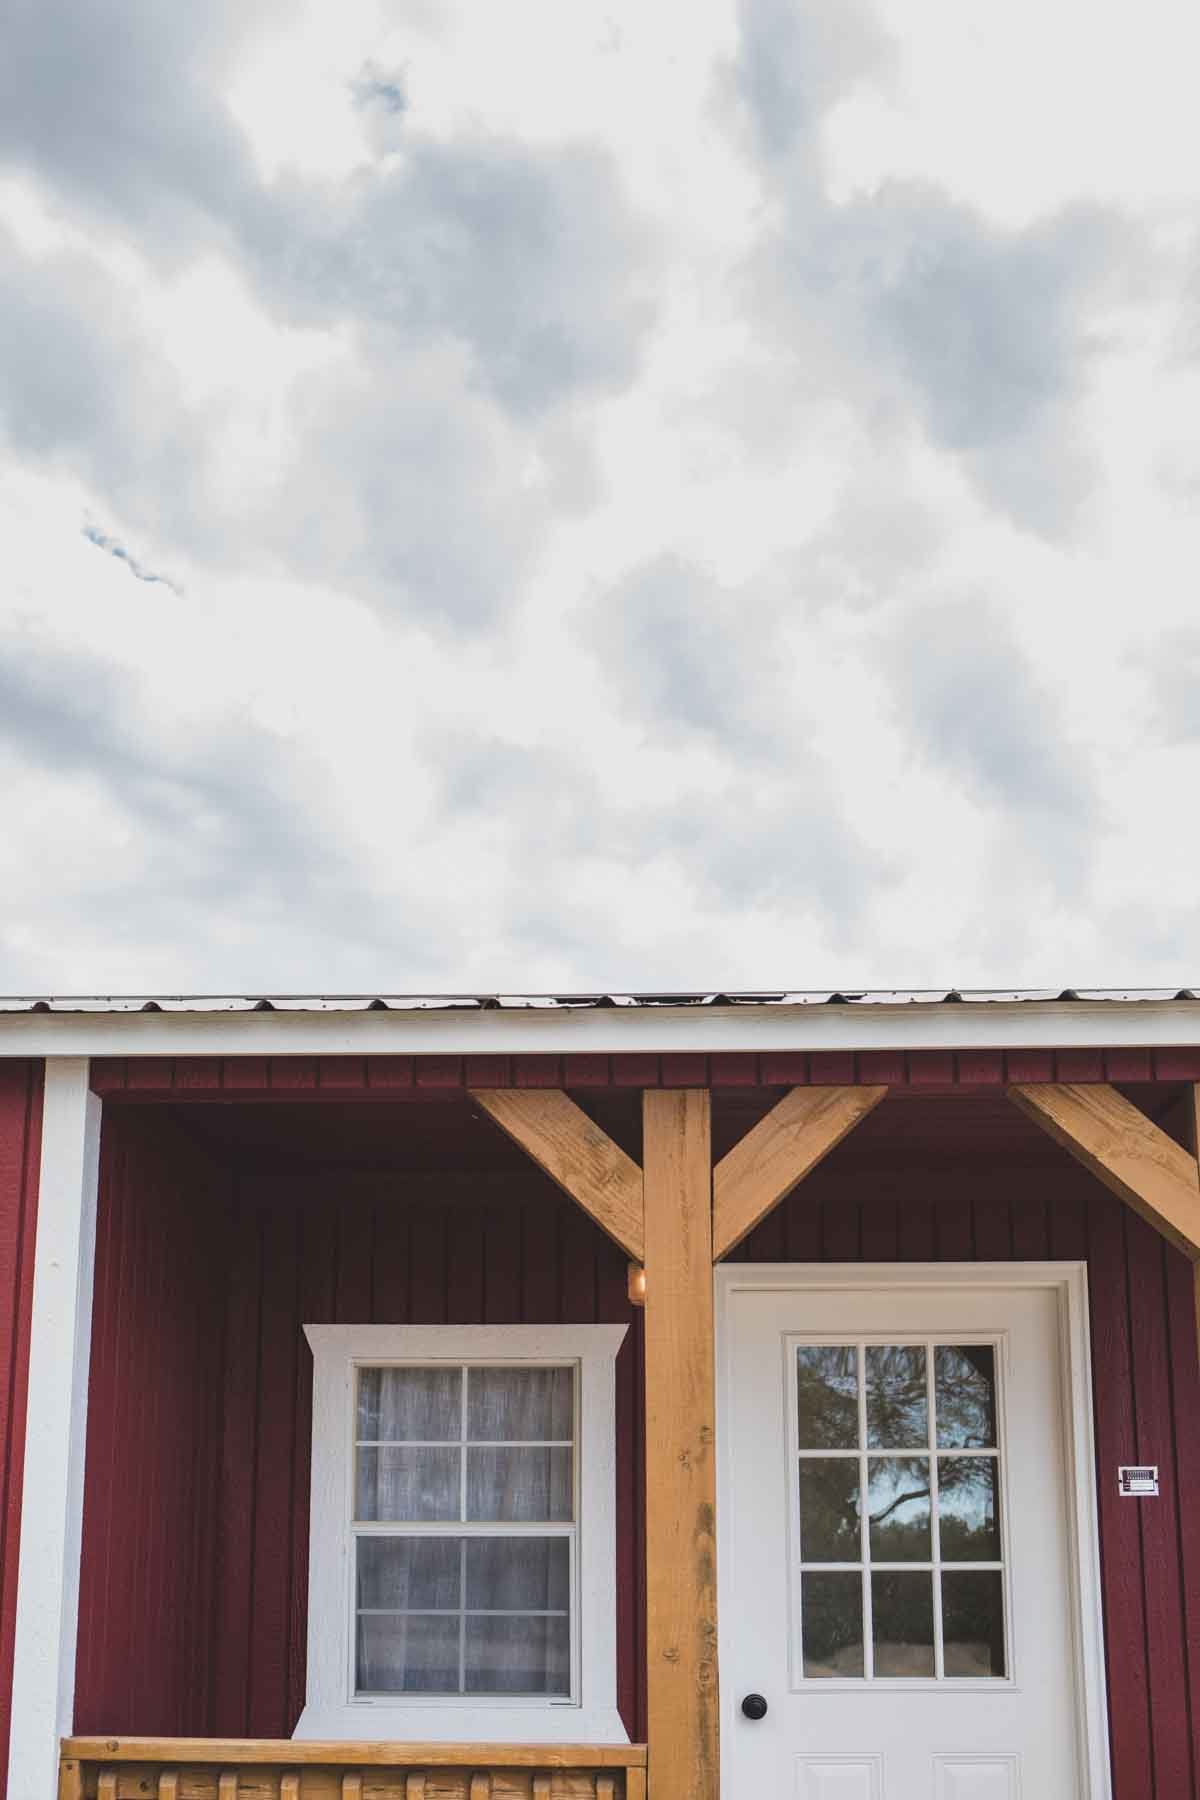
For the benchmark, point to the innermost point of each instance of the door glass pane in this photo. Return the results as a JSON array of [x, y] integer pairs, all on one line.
[[831, 1607], [517, 1656], [518, 1574], [827, 1396], [528, 1485], [407, 1653], [898, 1507], [507, 1405], [973, 1622], [400, 1406], [409, 1574], [902, 1622], [965, 1395], [968, 1507], [400, 1482], [829, 1509], [897, 1401]]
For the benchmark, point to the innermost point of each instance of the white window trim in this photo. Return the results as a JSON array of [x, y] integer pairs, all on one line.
[[331, 1710]]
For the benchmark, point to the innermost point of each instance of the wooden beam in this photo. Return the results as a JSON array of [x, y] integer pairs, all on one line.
[[1125, 1150], [1193, 1132], [779, 1152], [575, 1153], [681, 1623]]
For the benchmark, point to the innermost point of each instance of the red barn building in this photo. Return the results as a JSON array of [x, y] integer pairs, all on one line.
[[788, 1396]]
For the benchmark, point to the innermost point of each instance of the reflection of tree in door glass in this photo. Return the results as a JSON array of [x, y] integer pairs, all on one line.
[[897, 1400], [965, 1396], [833, 1634], [827, 1396]]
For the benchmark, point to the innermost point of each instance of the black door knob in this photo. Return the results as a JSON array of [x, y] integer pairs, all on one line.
[[754, 1706]]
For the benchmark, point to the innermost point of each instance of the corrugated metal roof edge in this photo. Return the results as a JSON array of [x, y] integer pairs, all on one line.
[[332, 1003]]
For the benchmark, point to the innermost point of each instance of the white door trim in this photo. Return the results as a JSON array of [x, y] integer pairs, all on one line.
[[1068, 1282]]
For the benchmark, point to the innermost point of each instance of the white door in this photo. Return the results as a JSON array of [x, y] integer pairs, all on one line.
[[897, 1564]]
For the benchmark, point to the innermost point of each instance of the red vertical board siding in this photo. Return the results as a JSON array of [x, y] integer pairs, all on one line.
[[20, 1152], [152, 1466], [194, 1618]]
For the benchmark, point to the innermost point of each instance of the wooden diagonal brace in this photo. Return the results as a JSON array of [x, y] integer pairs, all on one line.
[[779, 1152], [1125, 1150], [575, 1153]]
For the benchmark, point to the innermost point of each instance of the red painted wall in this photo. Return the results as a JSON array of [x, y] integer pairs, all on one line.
[[144, 1659], [198, 1451], [193, 1610], [20, 1151], [1146, 1377]]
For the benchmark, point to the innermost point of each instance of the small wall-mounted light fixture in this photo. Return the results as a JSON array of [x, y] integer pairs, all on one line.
[[637, 1284]]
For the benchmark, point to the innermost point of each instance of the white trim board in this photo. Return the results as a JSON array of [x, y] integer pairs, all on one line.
[[43, 1695], [330, 1710], [655, 1030], [1068, 1282]]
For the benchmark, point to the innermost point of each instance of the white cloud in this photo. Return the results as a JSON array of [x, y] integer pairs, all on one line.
[[697, 497]]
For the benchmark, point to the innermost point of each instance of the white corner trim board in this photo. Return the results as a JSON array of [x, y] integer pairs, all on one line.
[[56, 1431], [331, 1708]]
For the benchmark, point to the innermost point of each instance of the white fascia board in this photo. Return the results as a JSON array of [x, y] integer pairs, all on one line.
[[607, 1030]]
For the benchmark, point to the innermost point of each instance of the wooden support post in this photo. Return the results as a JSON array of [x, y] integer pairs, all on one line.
[[1125, 1150], [1193, 1113], [681, 1626]]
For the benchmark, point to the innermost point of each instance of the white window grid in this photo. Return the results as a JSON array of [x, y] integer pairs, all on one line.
[[463, 1528], [867, 1565]]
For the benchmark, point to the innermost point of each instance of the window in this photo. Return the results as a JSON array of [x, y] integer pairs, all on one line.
[[462, 1554], [898, 1512]]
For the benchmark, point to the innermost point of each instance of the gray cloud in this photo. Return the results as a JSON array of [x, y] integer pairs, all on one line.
[[1171, 668], [683, 654], [972, 704], [794, 62], [909, 306], [232, 823], [117, 104]]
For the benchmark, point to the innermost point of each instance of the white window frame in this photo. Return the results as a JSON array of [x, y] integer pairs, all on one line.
[[332, 1709]]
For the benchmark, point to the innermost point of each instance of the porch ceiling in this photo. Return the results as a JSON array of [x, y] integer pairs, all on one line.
[[450, 1133]]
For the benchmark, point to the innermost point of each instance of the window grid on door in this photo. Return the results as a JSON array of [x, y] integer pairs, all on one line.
[[957, 1450]]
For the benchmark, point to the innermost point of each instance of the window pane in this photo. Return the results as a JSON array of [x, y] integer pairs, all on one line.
[[973, 1622], [829, 1509], [403, 1405], [827, 1396], [512, 1574], [507, 1404], [968, 1508], [519, 1484], [965, 1385], [831, 1612], [409, 1572], [518, 1656], [897, 1400], [401, 1484], [898, 1508], [409, 1653], [902, 1623]]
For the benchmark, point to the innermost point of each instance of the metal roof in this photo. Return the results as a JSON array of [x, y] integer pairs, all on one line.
[[427, 1003]]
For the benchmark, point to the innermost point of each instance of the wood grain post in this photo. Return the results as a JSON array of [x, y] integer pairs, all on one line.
[[681, 1588]]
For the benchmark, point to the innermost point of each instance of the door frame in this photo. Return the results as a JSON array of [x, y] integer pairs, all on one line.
[[1067, 1281]]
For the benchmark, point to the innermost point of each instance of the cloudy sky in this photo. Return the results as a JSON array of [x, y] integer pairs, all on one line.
[[551, 496]]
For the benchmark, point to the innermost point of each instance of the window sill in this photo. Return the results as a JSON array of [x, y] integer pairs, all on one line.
[[448, 1724]]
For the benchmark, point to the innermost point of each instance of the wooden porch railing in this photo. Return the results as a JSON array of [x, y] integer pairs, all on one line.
[[283, 1769]]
